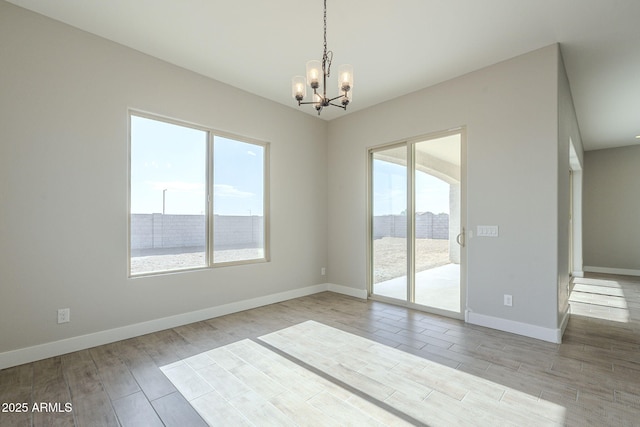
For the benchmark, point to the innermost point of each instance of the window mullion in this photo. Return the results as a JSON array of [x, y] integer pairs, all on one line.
[[210, 216]]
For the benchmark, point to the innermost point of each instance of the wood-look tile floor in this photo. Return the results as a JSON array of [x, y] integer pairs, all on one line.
[[245, 384], [482, 376]]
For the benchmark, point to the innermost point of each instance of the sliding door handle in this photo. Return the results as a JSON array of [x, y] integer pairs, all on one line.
[[460, 238]]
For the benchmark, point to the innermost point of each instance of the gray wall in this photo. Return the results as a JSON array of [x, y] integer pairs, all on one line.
[[64, 190], [612, 210], [63, 184], [510, 111], [568, 131]]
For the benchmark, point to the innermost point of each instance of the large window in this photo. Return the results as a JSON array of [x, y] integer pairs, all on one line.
[[197, 198]]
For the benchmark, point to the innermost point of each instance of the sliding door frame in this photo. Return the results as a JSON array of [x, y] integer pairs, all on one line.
[[410, 144]]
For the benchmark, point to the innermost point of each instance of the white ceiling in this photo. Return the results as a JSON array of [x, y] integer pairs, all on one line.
[[395, 46]]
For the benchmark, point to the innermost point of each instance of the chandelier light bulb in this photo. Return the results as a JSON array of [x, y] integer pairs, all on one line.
[[299, 86], [345, 81], [314, 71]]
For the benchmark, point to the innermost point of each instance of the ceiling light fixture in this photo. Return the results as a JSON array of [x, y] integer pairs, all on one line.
[[317, 70]]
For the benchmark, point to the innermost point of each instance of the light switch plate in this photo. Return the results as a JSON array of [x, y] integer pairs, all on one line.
[[487, 231]]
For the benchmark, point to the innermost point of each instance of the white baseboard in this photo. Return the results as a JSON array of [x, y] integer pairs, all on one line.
[[607, 270], [57, 348], [525, 329], [346, 290]]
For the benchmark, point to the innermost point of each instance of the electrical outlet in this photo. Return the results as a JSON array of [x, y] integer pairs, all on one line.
[[64, 315], [323, 271], [508, 300]]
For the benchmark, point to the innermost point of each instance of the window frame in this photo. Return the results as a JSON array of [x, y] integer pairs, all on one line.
[[211, 133]]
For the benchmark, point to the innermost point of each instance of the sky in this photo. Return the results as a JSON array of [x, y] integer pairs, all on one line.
[[169, 157], [170, 161], [390, 190]]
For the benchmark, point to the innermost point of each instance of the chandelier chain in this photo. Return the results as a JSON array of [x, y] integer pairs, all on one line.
[[325, 27], [327, 56]]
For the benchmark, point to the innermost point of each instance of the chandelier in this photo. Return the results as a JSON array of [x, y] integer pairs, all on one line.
[[317, 70]]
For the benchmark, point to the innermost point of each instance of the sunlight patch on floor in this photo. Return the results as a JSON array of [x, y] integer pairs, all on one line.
[[245, 383], [604, 299], [356, 381]]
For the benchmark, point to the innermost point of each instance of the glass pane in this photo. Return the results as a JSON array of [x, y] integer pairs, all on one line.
[[168, 197], [389, 237], [437, 223], [238, 201]]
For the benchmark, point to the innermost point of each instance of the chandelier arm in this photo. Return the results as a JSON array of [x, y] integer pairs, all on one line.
[[337, 97], [310, 102], [344, 107]]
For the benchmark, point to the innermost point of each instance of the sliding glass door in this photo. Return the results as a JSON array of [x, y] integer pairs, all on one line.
[[389, 221], [437, 222], [416, 216]]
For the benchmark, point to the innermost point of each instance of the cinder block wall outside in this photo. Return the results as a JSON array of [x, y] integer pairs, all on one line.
[[428, 226], [155, 231]]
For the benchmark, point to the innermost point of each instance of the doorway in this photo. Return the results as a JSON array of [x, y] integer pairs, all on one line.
[[416, 217], [575, 212]]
